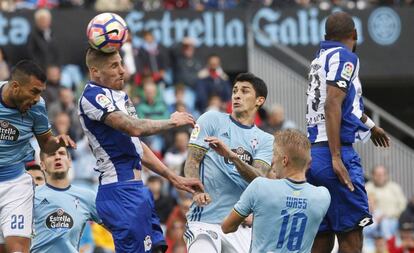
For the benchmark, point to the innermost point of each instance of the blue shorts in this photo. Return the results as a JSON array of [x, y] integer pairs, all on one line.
[[348, 210], [127, 210]]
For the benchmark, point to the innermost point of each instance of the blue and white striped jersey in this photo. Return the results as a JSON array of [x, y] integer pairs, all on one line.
[[337, 64], [117, 153], [16, 130]]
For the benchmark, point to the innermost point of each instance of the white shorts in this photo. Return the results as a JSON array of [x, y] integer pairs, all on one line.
[[16, 207], [237, 242]]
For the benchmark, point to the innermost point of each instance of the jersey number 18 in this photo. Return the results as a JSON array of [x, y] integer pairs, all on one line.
[[297, 229]]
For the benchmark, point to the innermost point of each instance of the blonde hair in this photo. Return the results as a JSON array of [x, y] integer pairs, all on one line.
[[96, 58], [295, 144]]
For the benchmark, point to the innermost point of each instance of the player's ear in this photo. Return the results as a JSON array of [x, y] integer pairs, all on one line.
[[260, 101]]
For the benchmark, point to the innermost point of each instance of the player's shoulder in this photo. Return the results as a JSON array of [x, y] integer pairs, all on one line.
[[347, 55], [39, 106], [92, 90], [265, 135], [214, 116], [319, 192], [83, 191]]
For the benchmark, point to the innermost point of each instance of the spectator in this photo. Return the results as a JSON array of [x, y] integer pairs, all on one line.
[[276, 120], [113, 5], [215, 104], [163, 204], [51, 94], [151, 59], [36, 172], [212, 81], [186, 65], [176, 4], [41, 44], [215, 4], [176, 222], [66, 103], [403, 242], [102, 239], [4, 66], [176, 155], [389, 198], [408, 214], [180, 94], [148, 5]]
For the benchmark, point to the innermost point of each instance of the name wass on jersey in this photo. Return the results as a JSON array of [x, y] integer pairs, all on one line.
[[117, 153], [338, 65], [220, 177]]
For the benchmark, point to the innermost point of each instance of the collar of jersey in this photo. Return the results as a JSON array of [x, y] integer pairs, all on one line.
[[58, 189], [331, 44], [295, 182], [97, 84], [240, 124]]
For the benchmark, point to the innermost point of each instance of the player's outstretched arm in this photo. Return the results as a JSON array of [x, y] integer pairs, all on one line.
[[49, 143], [232, 222], [194, 158], [144, 127], [333, 115], [378, 135], [247, 171], [152, 162]]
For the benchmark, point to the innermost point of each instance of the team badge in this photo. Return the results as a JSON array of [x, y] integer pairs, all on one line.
[[347, 70], [195, 132], [254, 143], [147, 243]]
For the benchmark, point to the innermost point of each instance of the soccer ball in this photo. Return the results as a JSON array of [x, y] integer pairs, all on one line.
[[107, 32]]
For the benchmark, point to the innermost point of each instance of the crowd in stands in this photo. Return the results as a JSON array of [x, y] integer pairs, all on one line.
[[198, 5], [160, 81]]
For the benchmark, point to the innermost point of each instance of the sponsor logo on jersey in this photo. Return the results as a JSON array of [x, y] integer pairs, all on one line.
[[105, 102], [347, 70], [244, 155], [8, 132], [59, 220], [195, 132]]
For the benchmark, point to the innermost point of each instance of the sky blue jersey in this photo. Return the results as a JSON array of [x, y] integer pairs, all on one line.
[[220, 177], [286, 214], [16, 130], [336, 64], [60, 216]]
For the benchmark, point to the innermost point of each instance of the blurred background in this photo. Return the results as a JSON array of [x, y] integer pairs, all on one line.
[[183, 55]]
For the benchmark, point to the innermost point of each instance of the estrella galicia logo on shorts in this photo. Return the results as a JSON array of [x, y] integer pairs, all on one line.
[[8, 132], [59, 220], [384, 26], [243, 155]]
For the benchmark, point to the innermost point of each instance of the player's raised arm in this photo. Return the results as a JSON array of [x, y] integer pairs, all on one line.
[[333, 114], [248, 172], [378, 135], [152, 162], [194, 158], [144, 127]]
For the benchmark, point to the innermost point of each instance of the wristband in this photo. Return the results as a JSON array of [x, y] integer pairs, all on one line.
[[369, 123]]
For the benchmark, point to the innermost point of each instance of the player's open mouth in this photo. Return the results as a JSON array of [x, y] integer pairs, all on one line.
[[58, 165], [236, 104]]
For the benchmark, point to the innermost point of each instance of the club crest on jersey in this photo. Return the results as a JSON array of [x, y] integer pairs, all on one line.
[[244, 155], [105, 102], [8, 132], [147, 243], [254, 143], [347, 70], [59, 220], [195, 132]]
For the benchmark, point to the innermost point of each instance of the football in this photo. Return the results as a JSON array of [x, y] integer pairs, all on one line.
[[107, 32]]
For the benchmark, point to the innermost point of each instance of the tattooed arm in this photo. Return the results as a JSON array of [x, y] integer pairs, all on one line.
[[192, 164], [144, 127], [248, 172]]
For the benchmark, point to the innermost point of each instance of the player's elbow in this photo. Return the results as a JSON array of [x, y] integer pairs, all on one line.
[[135, 132], [227, 228]]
